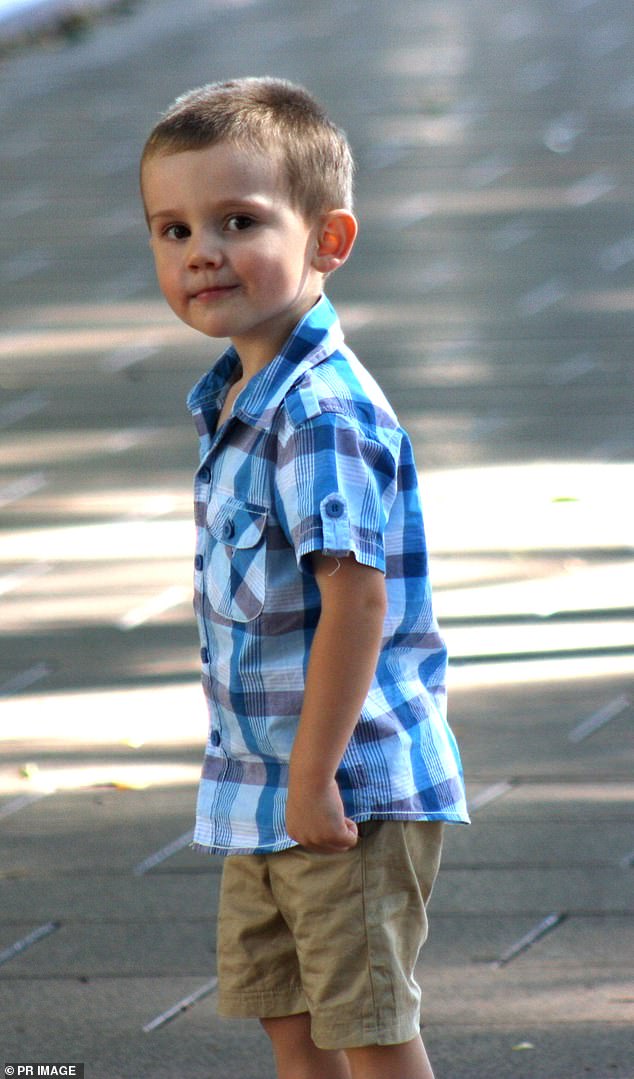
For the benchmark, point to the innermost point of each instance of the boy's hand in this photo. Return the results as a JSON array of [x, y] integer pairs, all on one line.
[[316, 820]]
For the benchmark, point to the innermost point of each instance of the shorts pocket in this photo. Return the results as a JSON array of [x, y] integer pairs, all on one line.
[[235, 578]]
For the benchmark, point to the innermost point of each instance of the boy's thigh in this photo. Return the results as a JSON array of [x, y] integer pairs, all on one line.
[[345, 928], [258, 969]]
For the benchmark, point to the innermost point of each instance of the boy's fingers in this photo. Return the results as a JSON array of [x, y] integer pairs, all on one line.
[[331, 844], [345, 840]]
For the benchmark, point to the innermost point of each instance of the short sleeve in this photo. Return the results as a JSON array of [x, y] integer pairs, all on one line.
[[335, 485]]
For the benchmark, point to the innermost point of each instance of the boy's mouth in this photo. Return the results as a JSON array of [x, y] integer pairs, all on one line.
[[212, 292]]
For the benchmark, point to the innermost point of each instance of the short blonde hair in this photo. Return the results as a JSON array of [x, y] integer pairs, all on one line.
[[272, 116]]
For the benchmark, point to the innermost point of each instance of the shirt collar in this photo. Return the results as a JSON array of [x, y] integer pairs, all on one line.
[[315, 337]]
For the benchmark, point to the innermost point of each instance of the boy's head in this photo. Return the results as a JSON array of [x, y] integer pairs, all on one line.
[[247, 191], [273, 117]]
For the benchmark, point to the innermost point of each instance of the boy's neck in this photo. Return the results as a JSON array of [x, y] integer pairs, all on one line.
[[255, 354], [251, 362]]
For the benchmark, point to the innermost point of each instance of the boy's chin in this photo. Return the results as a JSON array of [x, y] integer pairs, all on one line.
[[209, 327]]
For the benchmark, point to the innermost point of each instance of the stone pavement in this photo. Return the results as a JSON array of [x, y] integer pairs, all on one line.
[[491, 293]]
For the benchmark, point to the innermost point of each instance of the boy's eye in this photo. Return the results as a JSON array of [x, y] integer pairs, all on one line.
[[176, 232], [238, 222]]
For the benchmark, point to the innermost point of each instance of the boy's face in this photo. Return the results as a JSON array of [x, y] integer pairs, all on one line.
[[233, 257]]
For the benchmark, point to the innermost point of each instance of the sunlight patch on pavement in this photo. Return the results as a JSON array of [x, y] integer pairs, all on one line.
[[81, 777], [166, 600], [545, 505], [155, 716], [504, 639], [112, 541], [535, 672], [602, 586]]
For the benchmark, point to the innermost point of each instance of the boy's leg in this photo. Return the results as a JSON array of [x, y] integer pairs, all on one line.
[[297, 1056], [406, 1061]]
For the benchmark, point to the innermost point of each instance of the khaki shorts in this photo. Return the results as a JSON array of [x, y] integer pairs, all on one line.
[[335, 935]]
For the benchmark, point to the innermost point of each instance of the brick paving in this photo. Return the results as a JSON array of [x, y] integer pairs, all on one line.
[[491, 293]]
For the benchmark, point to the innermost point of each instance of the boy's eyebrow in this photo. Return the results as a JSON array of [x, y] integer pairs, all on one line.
[[254, 202], [164, 213]]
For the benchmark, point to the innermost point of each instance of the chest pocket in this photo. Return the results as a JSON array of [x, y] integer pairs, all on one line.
[[235, 578]]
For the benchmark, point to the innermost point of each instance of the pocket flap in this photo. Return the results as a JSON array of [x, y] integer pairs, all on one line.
[[235, 523]]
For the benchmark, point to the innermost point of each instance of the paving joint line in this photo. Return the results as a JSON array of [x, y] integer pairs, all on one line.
[[21, 802], [181, 1006], [490, 794], [20, 946], [163, 854], [24, 679], [599, 719], [550, 922]]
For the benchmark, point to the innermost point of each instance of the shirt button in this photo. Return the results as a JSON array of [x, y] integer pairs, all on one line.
[[335, 508], [228, 529], [198, 562], [215, 738], [204, 475]]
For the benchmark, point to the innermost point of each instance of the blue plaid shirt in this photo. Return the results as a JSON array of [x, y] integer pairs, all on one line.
[[311, 459]]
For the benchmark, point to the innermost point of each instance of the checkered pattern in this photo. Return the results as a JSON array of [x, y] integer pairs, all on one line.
[[312, 459]]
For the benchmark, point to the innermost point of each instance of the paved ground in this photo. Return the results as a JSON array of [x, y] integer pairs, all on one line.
[[492, 294]]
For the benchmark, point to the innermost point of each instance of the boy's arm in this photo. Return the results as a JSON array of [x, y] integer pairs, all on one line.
[[341, 666]]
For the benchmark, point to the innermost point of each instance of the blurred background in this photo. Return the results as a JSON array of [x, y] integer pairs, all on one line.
[[491, 293]]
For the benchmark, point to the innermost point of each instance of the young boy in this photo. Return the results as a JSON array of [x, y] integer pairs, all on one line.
[[329, 767]]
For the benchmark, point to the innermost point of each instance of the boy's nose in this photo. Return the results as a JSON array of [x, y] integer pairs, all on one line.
[[203, 251]]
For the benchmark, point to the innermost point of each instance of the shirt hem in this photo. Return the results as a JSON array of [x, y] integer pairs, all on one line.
[[358, 818]]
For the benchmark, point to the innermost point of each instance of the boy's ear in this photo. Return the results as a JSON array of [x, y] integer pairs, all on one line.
[[335, 238]]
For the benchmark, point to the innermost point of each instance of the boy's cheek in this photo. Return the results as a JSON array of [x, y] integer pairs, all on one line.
[[163, 277]]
